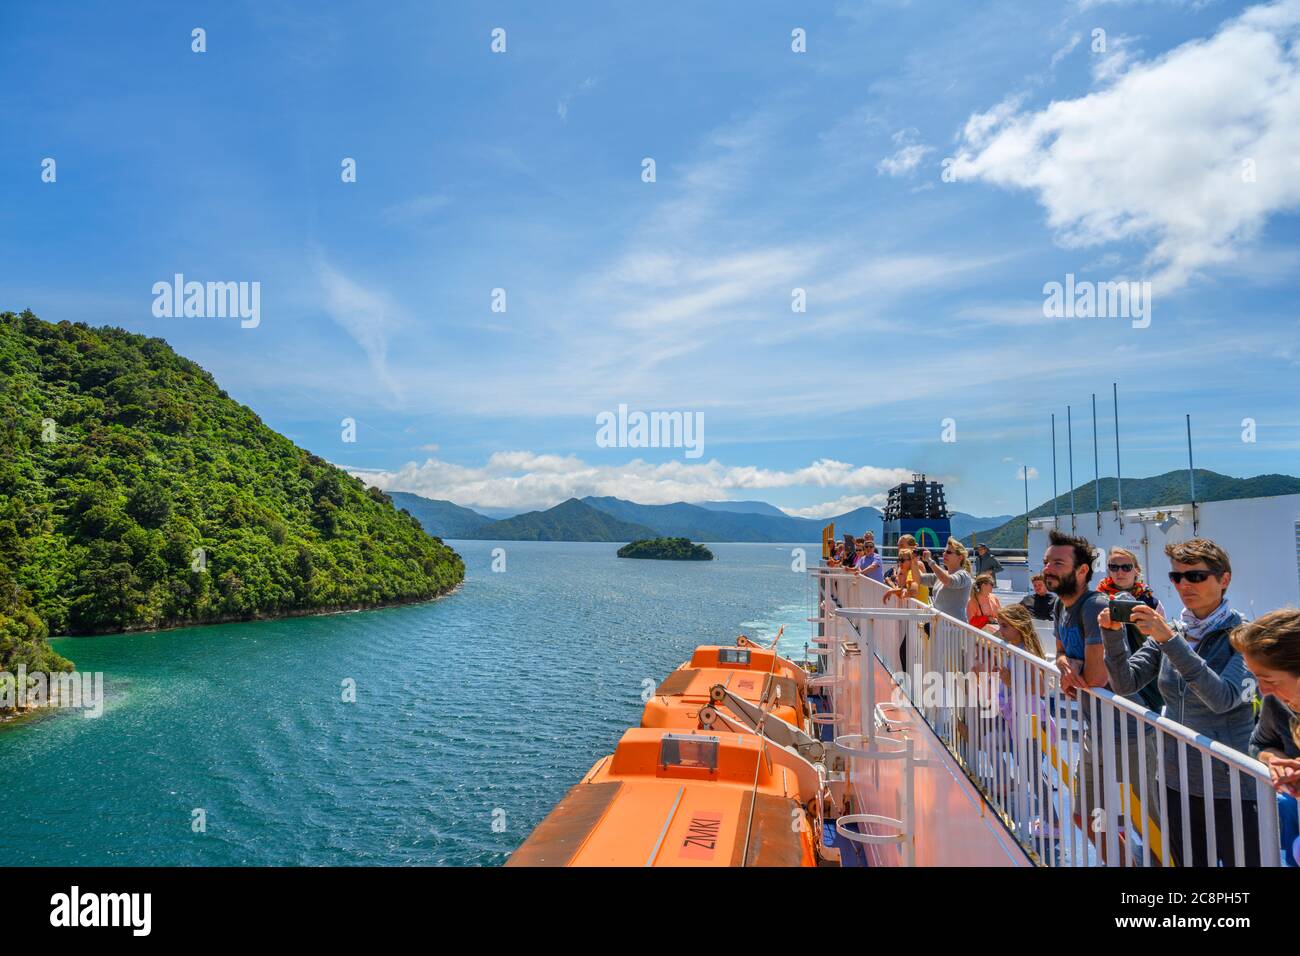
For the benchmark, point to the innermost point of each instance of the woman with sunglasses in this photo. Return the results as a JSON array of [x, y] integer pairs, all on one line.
[[983, 605], [1126, 575], [905, 543], [1206, 687]]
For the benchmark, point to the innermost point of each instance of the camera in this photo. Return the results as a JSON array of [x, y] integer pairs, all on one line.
[[1121, 608]]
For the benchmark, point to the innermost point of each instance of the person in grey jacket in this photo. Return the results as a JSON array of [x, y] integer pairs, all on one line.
[[949, 582], [1205, 686], [985, 562]]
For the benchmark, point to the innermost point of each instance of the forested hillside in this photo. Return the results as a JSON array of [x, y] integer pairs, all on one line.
[[135, 493]]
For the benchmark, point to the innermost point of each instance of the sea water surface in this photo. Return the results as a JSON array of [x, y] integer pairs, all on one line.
[[473, 714]]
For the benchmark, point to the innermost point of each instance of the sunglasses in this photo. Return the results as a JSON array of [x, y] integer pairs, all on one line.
[[1193, 577], [1120, 567]]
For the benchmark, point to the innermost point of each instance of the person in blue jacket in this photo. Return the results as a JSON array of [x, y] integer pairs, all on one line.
[[1206, 688]]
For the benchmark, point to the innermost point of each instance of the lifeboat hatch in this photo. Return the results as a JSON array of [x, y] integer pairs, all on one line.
[[688, 755]]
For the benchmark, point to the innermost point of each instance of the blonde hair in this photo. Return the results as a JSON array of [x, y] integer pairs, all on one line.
[[983, 579], [1137, 565], [1017, 617], [961, 550]]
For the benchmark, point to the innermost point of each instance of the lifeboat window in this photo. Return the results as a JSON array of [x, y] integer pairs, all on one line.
[[734, 655], [696, 752]]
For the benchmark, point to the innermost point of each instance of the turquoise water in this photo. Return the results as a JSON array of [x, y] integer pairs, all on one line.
[[473, 715]]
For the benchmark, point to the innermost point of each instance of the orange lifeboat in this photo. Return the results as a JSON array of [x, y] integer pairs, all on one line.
[[747, 671], [693, 798]]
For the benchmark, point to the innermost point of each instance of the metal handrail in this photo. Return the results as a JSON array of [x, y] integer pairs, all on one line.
[[1005, 758]]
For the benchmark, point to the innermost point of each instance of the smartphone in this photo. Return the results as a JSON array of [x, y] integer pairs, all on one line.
[[1121, 612]]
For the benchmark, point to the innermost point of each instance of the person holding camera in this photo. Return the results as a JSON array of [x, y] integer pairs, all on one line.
[[1206, 688], [949, 582], [1126, 576]]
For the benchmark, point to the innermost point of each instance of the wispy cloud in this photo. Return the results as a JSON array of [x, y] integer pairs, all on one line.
[[562, 107], [369, 316]]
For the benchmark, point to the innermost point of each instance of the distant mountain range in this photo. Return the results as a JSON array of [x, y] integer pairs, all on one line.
[[442, 519], [615, 519], [1170, 488]]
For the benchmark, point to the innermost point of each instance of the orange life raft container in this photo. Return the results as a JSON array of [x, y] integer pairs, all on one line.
[[674, 798]]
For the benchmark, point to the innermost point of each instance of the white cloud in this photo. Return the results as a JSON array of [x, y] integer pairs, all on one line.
[[839, 506], [1020, 473], [1157, 155], [525, 480], [907, 157]]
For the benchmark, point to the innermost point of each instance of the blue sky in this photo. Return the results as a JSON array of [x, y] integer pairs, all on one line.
[[775, 170]]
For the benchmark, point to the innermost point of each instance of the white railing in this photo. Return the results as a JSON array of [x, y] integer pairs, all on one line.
[[1040, 758]]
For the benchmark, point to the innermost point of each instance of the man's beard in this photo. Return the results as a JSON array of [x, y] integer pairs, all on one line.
[[1064, 587]]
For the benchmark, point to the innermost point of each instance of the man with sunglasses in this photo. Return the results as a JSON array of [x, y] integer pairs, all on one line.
[[1206, 687], [869, 563]]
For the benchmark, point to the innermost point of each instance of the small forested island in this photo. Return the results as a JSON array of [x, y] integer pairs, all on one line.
[[666, 549], [136, 494]]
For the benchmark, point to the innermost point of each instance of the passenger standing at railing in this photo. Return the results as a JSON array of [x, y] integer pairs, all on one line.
[[1080, 658], [949, 583], [1004, 738], [1067, 572], [1016, 627], [909, 585], [983, 605], [1126, 575], [1206, 688], [869, 562], [985, 562], [1042, 603], [1125, 578], [905, 543], [1270, 647]]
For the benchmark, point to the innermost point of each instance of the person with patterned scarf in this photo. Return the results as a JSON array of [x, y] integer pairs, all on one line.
[[1206, 688], [1126, 575]]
